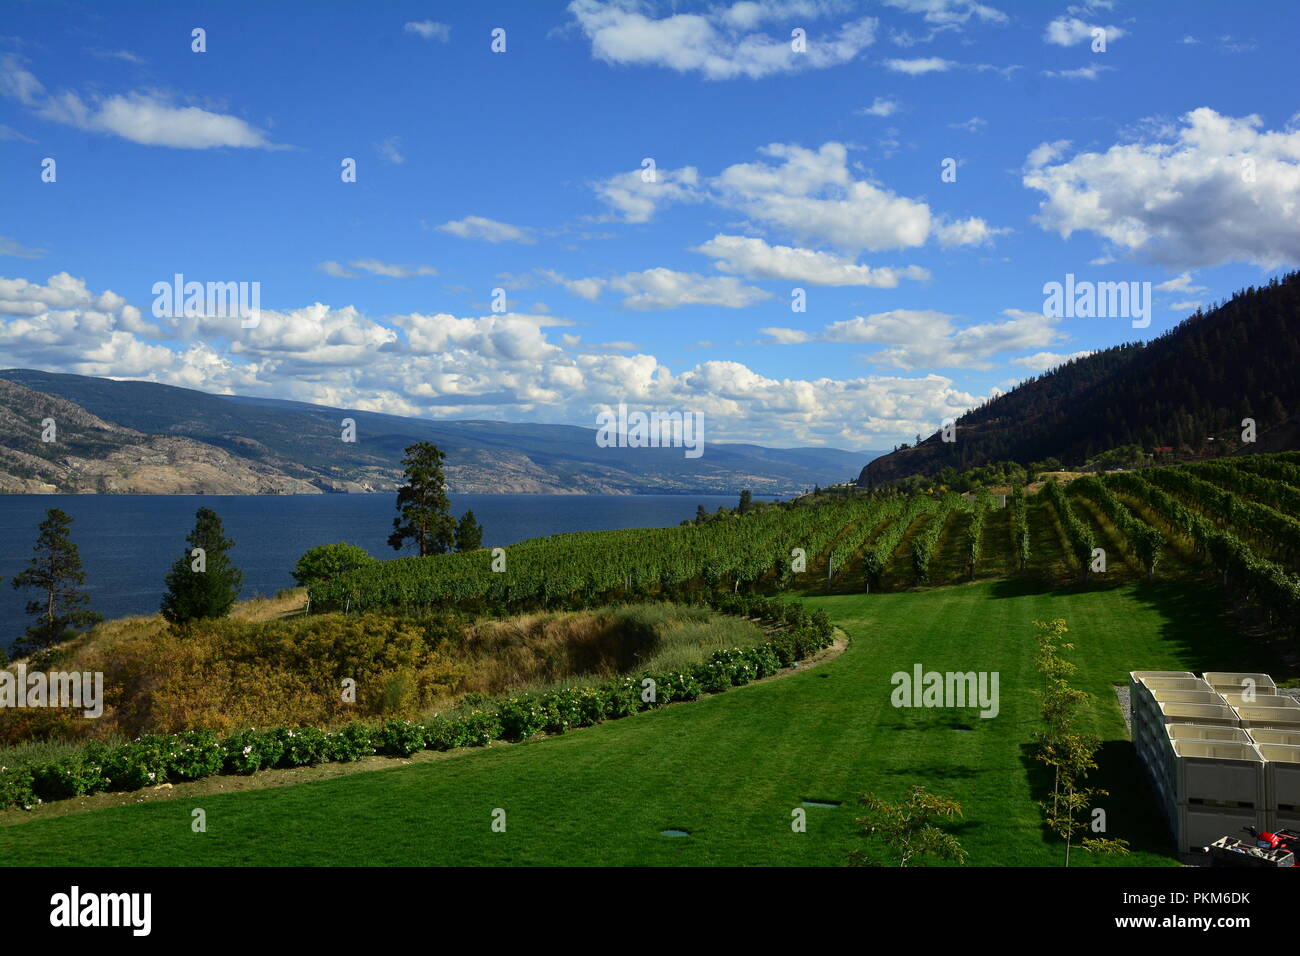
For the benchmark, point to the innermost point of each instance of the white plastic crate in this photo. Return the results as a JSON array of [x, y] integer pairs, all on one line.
[[1281, 777], [1218, 773], [1198, 826], [1275, 820], [1232, 735], [1260, 700], [1176, 683], [1190, 697], [1234, 681], [1266, 735], [1278, 718], [1220, 715]]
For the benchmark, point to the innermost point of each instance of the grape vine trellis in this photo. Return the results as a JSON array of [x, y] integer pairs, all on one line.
[[1238, 515], [545, 572]]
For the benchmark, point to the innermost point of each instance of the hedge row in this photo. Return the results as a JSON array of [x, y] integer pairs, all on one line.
[[176, 758], [157, 758]]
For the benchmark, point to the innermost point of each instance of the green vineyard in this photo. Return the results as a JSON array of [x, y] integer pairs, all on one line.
[[1233, 519]]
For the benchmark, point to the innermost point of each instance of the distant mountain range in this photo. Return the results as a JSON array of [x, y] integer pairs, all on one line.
[[145, 438], [1187, 391]]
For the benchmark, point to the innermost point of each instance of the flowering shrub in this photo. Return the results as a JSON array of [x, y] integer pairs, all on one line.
[[714, 677], [399, 738], [593, 705], [248, 751], [194, 755], [478, 729], [63, 778], [16, 788], [765, 661], [675, 687], [140, 763], [521, 717], [440, 734], [303, 746], [563, 710], [353, 742], [622, 697], [736, 665]]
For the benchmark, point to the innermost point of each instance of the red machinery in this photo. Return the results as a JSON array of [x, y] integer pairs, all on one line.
[[1279, 840]]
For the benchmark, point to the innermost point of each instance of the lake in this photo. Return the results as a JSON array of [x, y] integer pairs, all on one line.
[[127, 542]]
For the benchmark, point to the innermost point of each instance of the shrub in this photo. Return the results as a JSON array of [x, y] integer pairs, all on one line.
[[244, 753], [131, 766], [399, 738], [521, 717], [622, 697], [441, 734], [478, 729], [16, 788], [326, 561], [302, 746], [355, 741], [63, 778], [194, 755], [736, 665], [672, 687], [714, 677], [593, 705], [764, 660], [563, 710]]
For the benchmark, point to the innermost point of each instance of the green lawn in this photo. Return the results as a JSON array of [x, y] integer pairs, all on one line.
[[729, 768]]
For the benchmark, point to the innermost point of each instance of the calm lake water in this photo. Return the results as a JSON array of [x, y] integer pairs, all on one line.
[[127, 542]]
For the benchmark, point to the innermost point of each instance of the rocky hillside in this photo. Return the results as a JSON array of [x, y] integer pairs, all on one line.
[[146, 438], [88, 455]]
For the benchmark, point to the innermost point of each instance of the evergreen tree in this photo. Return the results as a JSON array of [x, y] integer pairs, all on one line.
[[203, 582], [424, 514], [701, 515], [55, 571], [746, 501], [469, 533]]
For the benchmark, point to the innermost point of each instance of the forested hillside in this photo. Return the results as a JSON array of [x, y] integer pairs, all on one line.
[[1187, 390]]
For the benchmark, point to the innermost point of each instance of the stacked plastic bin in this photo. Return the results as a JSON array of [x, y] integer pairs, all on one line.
[[1222, 751]]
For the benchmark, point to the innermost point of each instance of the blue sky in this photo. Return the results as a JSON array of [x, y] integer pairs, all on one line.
[[775, 170]]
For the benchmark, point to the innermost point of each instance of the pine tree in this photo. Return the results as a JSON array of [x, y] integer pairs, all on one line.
[[55, 569], [203, 583], [424, 511], [746, 501], [469, 533]]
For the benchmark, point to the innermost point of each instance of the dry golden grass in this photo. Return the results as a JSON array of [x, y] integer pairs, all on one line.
[[268, 664], [1064, 477], [288, 602]]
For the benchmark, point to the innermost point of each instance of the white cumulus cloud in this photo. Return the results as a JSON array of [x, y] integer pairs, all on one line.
[[1219, 189]]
